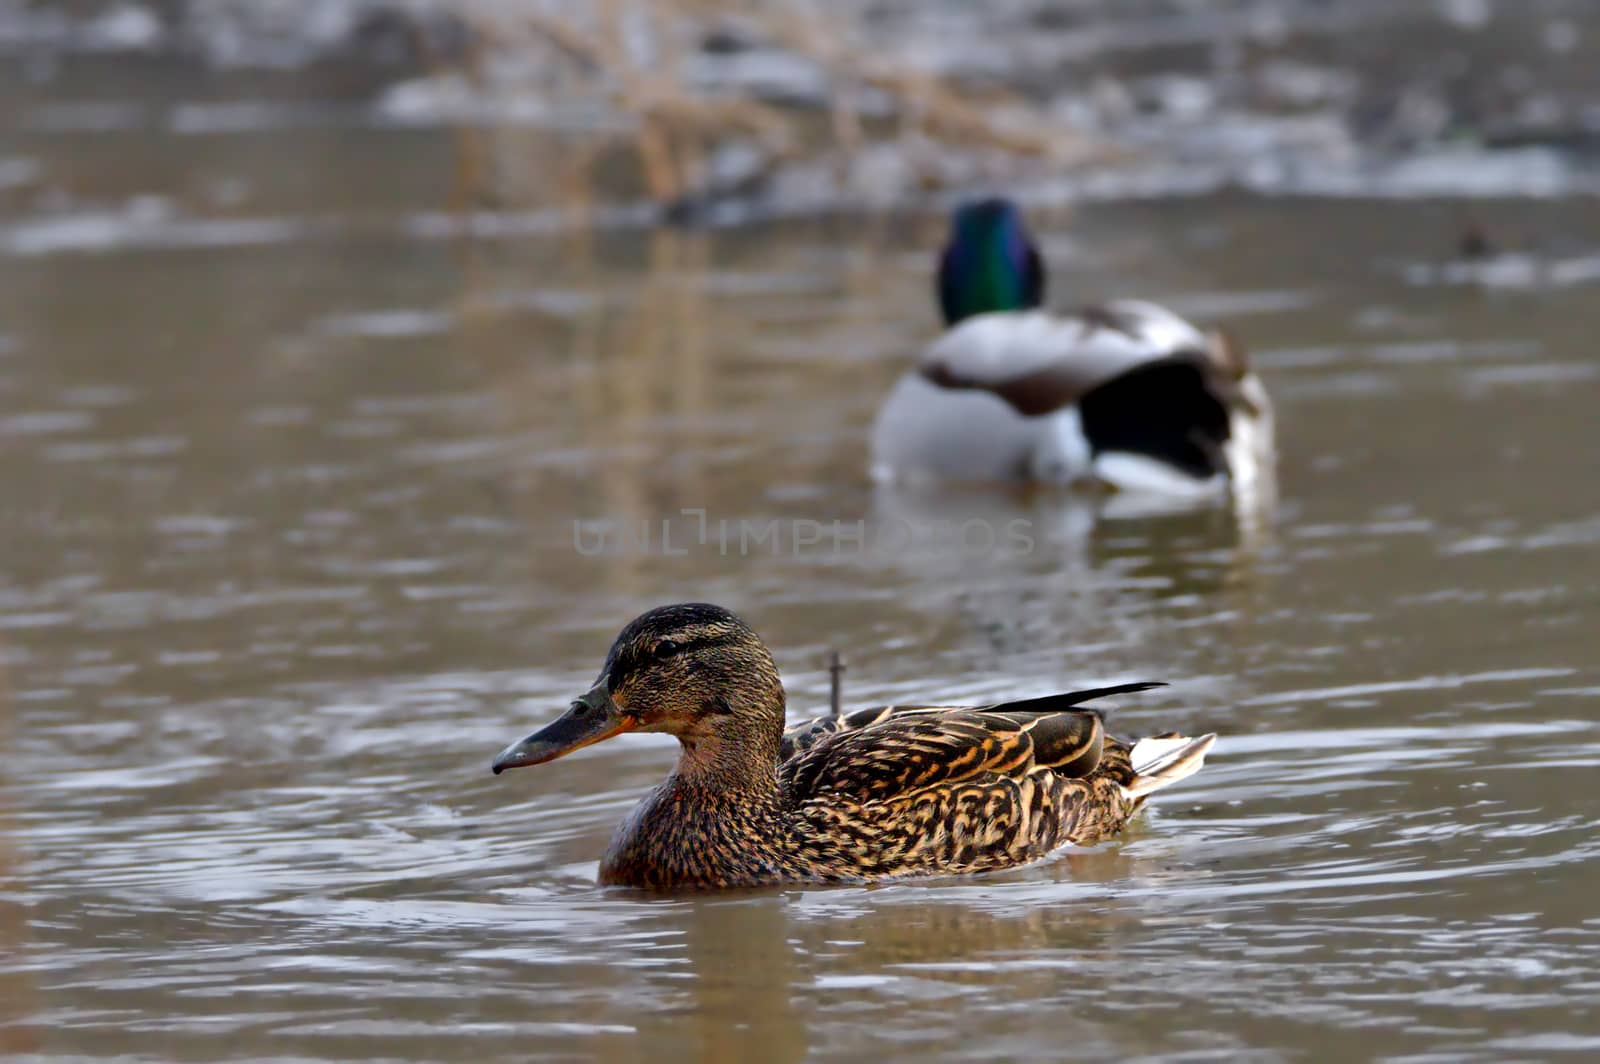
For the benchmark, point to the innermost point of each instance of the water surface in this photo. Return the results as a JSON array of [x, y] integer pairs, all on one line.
[[289, 553]]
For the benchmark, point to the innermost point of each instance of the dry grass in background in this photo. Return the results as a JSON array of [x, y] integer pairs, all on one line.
[[631, 58]]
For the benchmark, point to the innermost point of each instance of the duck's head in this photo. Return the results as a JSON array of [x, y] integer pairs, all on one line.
[[990, 263], [692, 670]]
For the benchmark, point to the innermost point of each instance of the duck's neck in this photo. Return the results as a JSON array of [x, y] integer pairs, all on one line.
[[718, 820], [988, 268], [733, 756]]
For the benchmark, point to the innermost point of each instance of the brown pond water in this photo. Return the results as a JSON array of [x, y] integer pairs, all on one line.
[[289, 552]]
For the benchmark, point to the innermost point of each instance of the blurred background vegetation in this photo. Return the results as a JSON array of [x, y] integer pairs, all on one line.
[[322, 320], [727, 107]]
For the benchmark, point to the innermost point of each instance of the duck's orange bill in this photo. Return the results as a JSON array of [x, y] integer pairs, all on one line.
[[592, 718]]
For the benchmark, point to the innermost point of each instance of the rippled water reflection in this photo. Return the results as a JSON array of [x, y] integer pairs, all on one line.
[[289, 554]]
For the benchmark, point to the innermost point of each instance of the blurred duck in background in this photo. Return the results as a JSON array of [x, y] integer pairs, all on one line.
[[1127, 396]]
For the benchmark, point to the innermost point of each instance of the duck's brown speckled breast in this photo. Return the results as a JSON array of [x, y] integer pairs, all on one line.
[[679, 836], [684, 836]]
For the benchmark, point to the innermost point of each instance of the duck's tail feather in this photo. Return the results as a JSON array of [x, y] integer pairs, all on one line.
[[1162, 761], [1166, 411], [1070, 699]]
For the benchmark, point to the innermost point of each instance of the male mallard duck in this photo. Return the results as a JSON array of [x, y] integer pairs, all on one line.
[[896, 791], [1129, 395]]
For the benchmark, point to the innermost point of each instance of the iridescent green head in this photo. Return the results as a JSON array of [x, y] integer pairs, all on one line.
[[989, 264]]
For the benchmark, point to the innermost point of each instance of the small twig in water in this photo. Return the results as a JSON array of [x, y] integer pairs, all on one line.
[[835, 682]]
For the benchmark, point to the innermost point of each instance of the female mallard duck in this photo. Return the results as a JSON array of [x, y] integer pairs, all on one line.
[[897, 791], [1128, 395]]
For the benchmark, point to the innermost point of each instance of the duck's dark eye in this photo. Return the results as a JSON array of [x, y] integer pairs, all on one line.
[[663, 650]]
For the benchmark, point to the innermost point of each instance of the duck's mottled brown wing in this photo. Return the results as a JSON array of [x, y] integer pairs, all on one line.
[[910, 790], [804, 736], [875, 753], [912, 750]]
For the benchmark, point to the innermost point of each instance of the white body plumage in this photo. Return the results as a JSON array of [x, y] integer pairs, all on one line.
[[997, 398]]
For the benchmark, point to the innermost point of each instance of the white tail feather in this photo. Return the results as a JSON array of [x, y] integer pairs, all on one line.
[[1159, 763]]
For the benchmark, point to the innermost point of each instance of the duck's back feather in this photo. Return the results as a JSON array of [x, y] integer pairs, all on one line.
[[804, 736], [1129, 393], [914, 790], [910, 751], [898, 754], [1040, 362]]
